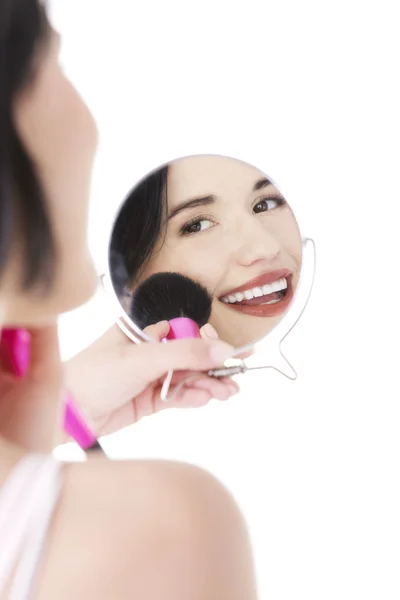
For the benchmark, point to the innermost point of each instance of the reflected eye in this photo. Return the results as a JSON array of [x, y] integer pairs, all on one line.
[[196, 226], [266, 204]]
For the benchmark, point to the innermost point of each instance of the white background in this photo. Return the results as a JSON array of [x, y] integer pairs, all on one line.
[[308, 92]]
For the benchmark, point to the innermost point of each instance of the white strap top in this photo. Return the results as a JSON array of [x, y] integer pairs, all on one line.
[[27, 502]]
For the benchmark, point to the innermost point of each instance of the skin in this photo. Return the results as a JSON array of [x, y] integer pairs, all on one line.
[[60, 135], [243, 235], [193, 544]]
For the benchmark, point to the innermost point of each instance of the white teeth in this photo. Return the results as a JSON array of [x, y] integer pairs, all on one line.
[[275, 286], [267, 289], [258, 292]]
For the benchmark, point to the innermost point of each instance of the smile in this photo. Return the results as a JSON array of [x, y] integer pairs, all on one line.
[[270, 293], [266, 296]]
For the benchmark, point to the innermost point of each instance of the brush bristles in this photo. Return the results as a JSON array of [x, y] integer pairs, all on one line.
[[166, 296]]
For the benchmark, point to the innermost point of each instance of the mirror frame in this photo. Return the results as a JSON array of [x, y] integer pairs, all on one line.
[[271, 342]]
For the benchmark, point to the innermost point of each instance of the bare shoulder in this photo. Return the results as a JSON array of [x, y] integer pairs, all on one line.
[[127, 529]]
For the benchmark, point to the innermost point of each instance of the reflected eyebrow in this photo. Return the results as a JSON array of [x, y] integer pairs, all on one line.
[[192, 203], [261, 183]]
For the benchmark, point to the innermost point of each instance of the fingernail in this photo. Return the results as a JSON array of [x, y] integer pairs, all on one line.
[[233, 389], [220, 352], [210, 332], [234, 385]]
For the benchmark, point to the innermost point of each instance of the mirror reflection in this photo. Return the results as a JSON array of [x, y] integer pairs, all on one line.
[[220, 222]]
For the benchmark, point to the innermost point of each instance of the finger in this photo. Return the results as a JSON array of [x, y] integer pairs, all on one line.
[[244, 355], [152, 361], [192, 398], [180, 376], [186, 398], [158, 331], [190, 378], [192, 394], [208, 332], [216, 388], [234, 384]]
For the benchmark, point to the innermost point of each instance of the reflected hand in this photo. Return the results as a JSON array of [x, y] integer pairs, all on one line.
[[116, 382]]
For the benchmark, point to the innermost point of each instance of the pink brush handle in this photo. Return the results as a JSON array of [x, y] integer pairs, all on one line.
[[181, 328], [15, 357]]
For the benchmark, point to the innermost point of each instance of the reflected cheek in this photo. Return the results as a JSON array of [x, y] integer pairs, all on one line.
[[291, 245], [296, 252]]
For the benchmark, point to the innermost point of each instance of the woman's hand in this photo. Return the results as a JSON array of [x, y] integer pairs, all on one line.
[[116, 382]]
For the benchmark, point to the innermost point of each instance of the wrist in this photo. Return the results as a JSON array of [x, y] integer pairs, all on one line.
[[77, 424]]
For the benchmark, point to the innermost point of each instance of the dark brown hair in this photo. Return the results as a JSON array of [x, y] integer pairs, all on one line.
[[139, 225], [24, 31]]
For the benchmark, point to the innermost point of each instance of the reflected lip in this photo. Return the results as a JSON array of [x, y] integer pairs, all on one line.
[[259, 281]]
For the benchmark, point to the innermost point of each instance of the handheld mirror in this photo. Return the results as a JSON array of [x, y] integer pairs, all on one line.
[[220, 227]]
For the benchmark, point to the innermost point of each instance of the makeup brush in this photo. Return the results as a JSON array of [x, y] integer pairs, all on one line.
[[175, 298]]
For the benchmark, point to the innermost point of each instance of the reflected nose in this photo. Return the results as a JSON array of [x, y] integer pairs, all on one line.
[[255, 243]]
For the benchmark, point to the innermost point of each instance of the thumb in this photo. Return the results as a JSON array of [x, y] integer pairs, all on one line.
[[180, 355], [208, 332], [158, 331]]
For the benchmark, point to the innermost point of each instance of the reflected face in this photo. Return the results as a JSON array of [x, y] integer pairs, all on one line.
[[60, 137], [230, 229]]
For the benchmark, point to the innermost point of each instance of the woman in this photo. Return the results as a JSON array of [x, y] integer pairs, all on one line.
[[221, 222], [177, 532]]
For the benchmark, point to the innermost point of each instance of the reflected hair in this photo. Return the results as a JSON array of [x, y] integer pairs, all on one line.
[[24, 33], [137, 229]]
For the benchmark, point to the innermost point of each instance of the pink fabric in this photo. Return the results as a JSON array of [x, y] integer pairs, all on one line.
[[15, 350]]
